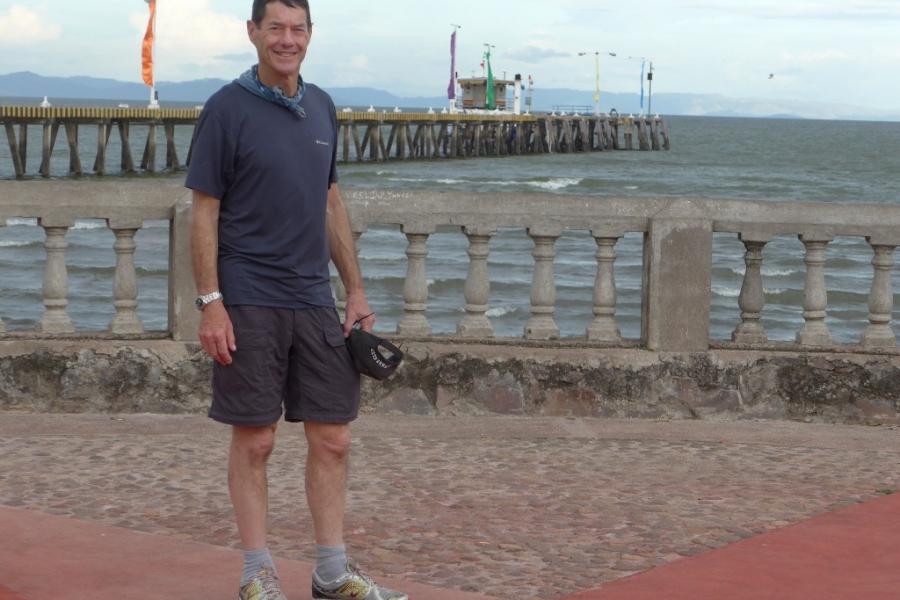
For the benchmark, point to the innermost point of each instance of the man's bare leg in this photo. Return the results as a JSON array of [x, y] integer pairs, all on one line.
[[326, 479], [326, 491], [247, 483], [248, 486]]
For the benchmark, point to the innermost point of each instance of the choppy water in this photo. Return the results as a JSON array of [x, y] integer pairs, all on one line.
[[781, 160]]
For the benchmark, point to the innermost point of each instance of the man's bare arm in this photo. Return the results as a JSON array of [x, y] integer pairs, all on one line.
[[343, 254], [216, 332]]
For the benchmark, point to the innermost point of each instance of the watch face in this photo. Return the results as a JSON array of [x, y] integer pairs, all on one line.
[[199, 302]]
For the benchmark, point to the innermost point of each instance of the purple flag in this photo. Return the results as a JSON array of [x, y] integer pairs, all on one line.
[[451, 89]]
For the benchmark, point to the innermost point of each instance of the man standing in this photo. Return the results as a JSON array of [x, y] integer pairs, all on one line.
[[267, 216]]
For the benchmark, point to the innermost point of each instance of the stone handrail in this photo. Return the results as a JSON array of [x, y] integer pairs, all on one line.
[[677, 255]]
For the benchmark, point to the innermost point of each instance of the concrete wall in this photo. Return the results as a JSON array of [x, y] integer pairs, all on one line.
[[483, 378]]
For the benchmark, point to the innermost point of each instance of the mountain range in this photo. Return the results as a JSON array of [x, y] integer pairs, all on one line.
[[27, 85]]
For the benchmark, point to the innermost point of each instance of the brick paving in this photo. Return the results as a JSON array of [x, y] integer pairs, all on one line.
[[508, 507]]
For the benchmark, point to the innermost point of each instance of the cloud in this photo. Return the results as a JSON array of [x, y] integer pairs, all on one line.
[[534, 54], [805, 10], [20, 26], [360, 61], [241, 57], [815, 57], [191, 31]]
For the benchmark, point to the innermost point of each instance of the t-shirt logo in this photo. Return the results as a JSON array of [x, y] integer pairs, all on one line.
[[321, 143]]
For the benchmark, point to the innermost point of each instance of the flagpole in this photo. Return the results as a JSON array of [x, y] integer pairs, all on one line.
[[154, 101]]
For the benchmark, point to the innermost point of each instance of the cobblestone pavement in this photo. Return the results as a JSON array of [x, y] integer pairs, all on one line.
[[509, 507]]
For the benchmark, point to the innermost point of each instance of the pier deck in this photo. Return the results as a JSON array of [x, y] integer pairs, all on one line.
[[362, 136]]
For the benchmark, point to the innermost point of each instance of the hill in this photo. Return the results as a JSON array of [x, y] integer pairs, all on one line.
[[31, 85]]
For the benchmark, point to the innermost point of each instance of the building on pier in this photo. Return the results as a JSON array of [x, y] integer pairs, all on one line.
[[475, 93]]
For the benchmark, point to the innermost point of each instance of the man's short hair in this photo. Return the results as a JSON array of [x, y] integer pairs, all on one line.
[[259, 9]]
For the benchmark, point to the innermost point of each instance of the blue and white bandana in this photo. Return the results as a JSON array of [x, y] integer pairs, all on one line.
[[249, 80]]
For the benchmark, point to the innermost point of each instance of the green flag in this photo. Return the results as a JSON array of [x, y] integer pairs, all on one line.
[[491, 105]]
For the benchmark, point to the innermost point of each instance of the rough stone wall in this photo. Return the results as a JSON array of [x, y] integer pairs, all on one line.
[[446, 378]]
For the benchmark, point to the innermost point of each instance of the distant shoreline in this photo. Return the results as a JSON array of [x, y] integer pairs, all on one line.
[[82, 91]]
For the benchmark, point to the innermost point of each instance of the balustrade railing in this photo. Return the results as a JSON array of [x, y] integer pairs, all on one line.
[[677, 259]]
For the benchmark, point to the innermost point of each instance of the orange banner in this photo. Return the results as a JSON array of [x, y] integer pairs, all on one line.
[[147, 48]]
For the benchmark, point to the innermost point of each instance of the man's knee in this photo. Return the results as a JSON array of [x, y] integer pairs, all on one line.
[[254, 443], [328, 440]]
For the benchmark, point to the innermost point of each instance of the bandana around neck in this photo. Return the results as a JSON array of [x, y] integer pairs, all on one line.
[[249, 80]]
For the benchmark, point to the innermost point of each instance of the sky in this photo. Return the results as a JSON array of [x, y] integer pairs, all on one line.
[[836, 51]]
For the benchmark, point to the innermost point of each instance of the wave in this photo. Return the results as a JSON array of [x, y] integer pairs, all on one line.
[[19, 244], [768, 272], [555, 184], [89, 224], [552, 184], [726, 292], [499, 311], [27, 222]]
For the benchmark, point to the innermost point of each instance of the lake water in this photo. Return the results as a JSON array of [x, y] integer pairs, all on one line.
[[758, 159]]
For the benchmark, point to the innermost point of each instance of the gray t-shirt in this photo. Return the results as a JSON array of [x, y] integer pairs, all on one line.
[[271, 171]]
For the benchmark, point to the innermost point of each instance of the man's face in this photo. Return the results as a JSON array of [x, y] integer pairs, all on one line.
[[281, 40]]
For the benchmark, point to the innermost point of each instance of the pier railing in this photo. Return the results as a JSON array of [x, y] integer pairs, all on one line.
[[676, 257], [363, 136]]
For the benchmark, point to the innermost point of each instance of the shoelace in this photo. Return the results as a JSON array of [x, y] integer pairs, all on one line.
[[354, 568], [269, 583]]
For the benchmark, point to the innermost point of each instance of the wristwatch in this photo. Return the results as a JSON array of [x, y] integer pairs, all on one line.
[[205, 299]]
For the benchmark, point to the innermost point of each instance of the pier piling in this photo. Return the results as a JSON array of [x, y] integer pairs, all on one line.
[[365, 136]]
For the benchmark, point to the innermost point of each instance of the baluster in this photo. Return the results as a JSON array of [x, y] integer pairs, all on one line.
[[752, 298], [125, 281], [125, 291], [340, 292], [604, 327], [478, 285], [541, 325], [415, 289], [56, 279], [815, 299], [881, 299]]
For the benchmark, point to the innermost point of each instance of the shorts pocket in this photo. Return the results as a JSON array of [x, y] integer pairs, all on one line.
[[335, 337]]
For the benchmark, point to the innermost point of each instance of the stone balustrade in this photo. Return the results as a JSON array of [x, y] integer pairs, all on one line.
[[677, 256]]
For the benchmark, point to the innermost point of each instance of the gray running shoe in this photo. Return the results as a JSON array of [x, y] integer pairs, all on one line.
[[352, 585], [263, 586]]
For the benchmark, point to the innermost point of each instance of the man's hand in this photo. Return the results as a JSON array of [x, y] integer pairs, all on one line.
[[358, 308], [217, 333]]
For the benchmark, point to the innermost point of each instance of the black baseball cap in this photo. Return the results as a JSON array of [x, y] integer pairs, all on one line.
[[373, 356]]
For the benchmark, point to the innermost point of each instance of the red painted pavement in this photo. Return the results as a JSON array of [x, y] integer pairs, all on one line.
[[45, 557], [849, 554]]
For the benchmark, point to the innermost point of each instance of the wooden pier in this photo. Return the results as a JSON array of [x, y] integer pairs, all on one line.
[[363, 136]]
